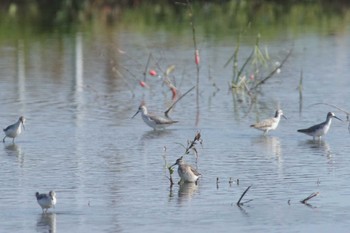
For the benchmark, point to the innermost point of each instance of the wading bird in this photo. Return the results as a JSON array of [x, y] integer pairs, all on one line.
[[12, 131], [320, 129], [269, 124], [46, 201], [154, 121], [187, 173]]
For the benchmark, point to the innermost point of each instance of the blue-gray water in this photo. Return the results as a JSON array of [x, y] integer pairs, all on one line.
[[108, 169]]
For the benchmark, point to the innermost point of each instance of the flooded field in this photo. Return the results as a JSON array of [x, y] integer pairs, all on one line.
[[79, 91]]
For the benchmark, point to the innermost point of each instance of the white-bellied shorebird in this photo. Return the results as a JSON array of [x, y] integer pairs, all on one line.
[[187, 173], [12, 131], [46, 201], [154, 121], [320, 129], [269, 124]]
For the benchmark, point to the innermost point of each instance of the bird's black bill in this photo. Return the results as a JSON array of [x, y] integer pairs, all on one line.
[[338, 118], [284, 117], [135, 114]]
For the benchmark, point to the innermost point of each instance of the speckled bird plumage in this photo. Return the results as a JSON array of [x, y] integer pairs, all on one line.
[[269, 124], [187, 173]]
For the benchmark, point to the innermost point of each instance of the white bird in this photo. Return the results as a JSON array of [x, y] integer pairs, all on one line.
[[153, 121], [12, 131], [46, 201], [320, 129], [187, 173], [269, 124]]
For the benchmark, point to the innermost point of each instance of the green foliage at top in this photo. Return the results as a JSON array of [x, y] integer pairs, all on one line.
[[212, 18]]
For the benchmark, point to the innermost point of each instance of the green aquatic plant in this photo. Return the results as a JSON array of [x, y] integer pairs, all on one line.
[[250, 75], [169, 168]]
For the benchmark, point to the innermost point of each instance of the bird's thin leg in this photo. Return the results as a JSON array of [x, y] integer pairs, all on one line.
[[3, 140]]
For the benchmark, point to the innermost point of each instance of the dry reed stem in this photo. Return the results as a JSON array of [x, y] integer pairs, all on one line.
[[243, 194], [312, 195]]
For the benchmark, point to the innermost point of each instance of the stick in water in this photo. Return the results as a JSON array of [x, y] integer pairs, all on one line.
[[167, 111], [312, 195], [243, 194]]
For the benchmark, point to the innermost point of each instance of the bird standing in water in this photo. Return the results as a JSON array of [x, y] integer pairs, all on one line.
[[269, 124], [320, 129], [46, 201], [154, 121], [12, 131], [187, 173]]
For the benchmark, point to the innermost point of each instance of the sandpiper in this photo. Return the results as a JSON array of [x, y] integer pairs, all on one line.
[[46, 201], [153, 121], [187, 173], [12, 131], [269, 124], [320, 129]]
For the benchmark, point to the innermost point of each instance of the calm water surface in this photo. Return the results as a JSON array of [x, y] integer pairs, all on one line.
[[108, 169]]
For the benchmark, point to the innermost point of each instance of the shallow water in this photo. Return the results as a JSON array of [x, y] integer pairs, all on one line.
[[108, 169]]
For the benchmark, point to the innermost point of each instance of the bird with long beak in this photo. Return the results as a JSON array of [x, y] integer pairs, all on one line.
[[12, 131], [152, 120], [187, 173], [320, 129], [269, 124]]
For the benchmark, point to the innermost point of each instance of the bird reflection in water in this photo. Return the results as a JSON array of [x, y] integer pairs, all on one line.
[[46, 222], [271, 147], [15, 150], [270, 144], [322, 146], [156, 134], [187, 191]]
